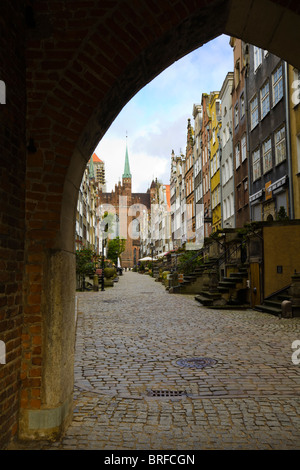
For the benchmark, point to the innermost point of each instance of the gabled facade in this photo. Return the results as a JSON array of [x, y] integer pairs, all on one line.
[[268, 132], [239, 133], [198, 184], [177, 200], [215, 182], [189, 183], [205, 148], [86, 234], [226, 164]]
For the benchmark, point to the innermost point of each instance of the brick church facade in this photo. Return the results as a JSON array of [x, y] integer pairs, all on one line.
[[128, 207]]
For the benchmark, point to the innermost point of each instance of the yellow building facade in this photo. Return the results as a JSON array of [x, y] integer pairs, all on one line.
[[215, 174], [294, 105]]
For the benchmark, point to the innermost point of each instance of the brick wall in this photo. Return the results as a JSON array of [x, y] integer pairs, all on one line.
[[12, 177]]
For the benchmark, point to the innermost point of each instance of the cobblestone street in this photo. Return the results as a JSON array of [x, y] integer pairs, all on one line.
[[131, 344]]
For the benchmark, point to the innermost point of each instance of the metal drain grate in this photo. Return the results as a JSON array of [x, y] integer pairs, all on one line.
[[196, 362], [166, 393]]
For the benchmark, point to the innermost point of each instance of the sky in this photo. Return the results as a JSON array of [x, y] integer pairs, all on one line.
[[155, 119]]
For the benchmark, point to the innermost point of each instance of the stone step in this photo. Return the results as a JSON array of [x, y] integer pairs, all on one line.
[[204, 300], [282, 297], [190, 277], [273, 303], [226, 283], [228, 307], [210, 294], [223, 289], [238, 275], [268, 309]]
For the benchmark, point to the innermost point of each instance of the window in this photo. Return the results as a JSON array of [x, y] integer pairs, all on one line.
[[230, 163], [257, 58], [237, 155], [277, 85], [228, 131], [224, 140], [267, 155], [218, 110], [280, 147], [256, 164], [231, 204], [228, 207], [244, 148], [254, 112], [224, 209], [265, 100], [242, 105], [237, 73], [239, 201], [226, 171], [236, 115]]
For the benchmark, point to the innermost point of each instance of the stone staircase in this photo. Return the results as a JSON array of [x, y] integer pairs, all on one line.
[[228, 293], [193, 283], [272, 304]]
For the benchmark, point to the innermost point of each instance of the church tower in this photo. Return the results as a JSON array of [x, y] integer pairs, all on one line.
[[126, 177]]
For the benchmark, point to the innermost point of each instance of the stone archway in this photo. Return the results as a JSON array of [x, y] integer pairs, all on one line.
[[84, 62]]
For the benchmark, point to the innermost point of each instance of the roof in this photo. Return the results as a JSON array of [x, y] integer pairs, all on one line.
[[126, 173], [96, 158]]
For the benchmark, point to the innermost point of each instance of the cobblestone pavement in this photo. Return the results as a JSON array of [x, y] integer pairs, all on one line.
[[130, 341]]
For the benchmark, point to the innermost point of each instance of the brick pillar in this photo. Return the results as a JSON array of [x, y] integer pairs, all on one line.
[[49, 294], [12, 212]]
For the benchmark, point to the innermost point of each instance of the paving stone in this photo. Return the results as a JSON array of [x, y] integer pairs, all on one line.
[[248, 400]]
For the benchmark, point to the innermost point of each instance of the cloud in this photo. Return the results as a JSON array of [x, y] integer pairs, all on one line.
[[156, 117]]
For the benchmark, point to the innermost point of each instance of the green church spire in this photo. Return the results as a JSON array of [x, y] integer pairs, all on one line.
[[126, 173]]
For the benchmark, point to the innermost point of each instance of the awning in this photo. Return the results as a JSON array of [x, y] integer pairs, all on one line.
[[255, 196], [278, 183]]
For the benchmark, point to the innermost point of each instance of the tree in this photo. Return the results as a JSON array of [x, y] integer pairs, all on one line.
[[116, 246], [282, 215], [86, 260]]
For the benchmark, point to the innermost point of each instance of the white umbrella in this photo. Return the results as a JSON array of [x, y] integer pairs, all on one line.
[[147, 258], [160, 255]]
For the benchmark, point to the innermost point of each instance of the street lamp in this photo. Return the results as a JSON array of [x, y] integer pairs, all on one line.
[[102, 266], [151, 246]]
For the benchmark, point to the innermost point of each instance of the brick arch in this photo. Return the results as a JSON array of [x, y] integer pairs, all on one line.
[[84, 61], [91, 60]]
